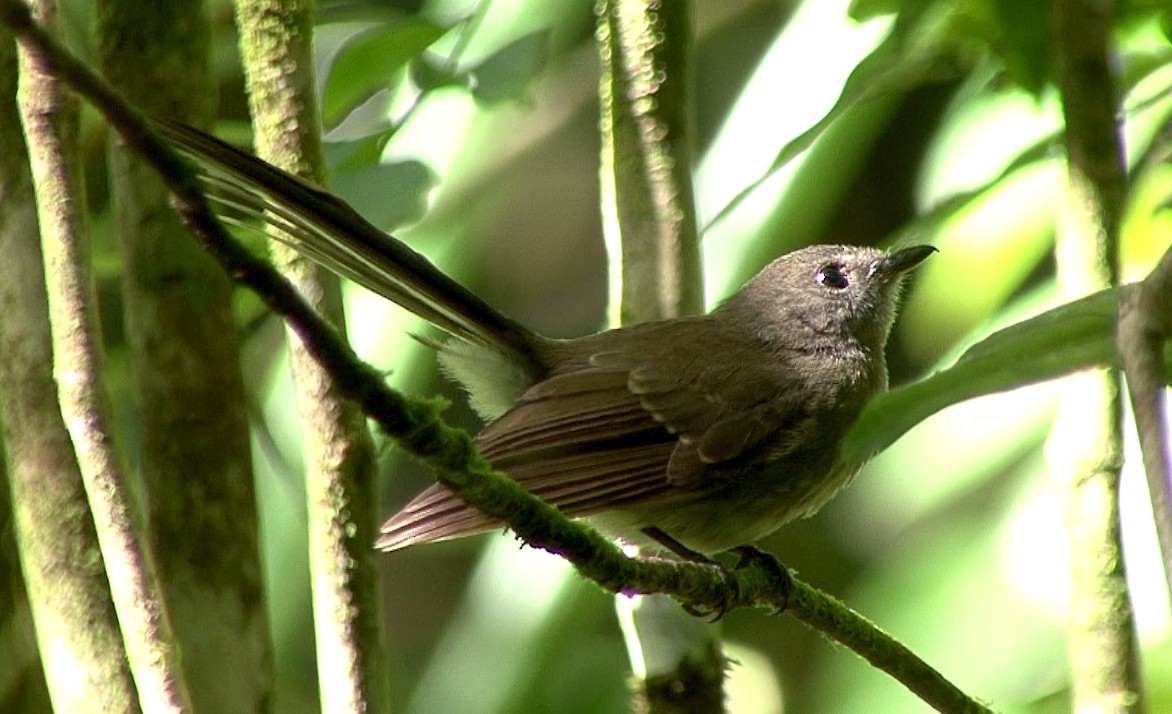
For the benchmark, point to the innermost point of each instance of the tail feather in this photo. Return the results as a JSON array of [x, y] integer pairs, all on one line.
[[329, 231], [453, 519]]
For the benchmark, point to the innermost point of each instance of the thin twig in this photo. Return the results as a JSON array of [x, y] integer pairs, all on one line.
[[1144, 327], [834, 619]]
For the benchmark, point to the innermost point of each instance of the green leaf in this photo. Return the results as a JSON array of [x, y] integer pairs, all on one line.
[[430, 75], [506, 74], [345, 156], [863, 10], [388, 195], [368, 62], [1074, 336], [893, 67], [905, 10], [1024, 29]]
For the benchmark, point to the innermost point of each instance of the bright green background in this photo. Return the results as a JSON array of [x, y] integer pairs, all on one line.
[[471, 132]]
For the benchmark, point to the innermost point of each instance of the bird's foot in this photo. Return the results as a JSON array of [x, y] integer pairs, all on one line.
[[729, 594], [750, 556]]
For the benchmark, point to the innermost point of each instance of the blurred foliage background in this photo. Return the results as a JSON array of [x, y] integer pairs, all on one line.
[[469, 129]]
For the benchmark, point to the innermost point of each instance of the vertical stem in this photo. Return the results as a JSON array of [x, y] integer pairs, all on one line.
[[1143, 329], [185, 349], [647, 156], [82, 655], [1085, 446], [49, 121], [650, 229], [276, 42]]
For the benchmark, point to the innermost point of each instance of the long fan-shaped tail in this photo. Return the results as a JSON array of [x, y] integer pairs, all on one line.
[[329, 231]]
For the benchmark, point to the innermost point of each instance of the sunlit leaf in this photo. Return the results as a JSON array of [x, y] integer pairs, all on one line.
[[506, 73], [1071, 337], [388, 195], [367, 63], [891, 68], [930, 221]]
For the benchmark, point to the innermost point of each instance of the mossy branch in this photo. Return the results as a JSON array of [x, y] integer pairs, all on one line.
[[44, 514]]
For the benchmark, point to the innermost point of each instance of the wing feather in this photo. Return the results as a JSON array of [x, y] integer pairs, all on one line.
[[579, 484], [638, 423]]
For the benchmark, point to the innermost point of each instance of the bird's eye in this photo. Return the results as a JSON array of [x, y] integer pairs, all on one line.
[[832, 276]]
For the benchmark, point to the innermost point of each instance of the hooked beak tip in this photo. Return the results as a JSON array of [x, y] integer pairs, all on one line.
[[901, 261]]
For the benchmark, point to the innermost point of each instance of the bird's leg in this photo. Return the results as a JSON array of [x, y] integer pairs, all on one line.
[[683, 552], [748, 556]]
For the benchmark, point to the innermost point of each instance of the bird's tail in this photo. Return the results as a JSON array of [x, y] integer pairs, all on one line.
[[327, 230]]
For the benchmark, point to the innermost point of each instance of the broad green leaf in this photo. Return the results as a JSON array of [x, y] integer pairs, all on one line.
[[367, 63], [1071, 337], [892, 68], [863, 10], [430, 74], [355, 154], [1024, 46], [388, 195], [505, 74]]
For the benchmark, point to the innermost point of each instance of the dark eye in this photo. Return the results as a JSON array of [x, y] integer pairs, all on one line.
[[831, 276]]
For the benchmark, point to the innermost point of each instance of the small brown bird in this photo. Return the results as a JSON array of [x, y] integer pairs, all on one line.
[[701, 433]]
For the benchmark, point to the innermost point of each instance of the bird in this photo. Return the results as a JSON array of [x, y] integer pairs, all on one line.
[[698, 434]]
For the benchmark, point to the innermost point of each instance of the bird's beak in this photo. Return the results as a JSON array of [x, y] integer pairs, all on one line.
[[899, 262]]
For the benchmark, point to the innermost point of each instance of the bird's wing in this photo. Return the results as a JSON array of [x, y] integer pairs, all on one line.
[[580, 441], [615, 429], [725, 414]]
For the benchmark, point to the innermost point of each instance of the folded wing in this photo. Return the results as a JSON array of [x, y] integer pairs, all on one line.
[[609, 430]]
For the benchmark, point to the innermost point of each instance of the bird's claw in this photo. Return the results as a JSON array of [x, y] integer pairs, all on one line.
[[729, 596], [750, 556]]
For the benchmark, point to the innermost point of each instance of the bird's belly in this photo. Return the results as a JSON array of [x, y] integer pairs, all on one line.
[[743, 509]]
